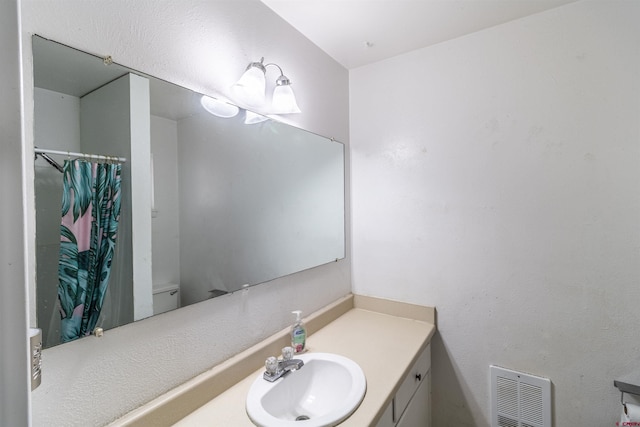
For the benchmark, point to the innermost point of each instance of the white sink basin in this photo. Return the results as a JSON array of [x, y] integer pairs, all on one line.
[[324, 392]]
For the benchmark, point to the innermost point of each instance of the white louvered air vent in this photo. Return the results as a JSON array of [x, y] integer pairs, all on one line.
[[519, 400]]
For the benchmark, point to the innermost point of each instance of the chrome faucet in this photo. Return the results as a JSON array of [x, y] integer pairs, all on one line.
[[279, 368]]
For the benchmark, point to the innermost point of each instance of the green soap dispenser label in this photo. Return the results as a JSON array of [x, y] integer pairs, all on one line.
[[298, 340], [298, 333]]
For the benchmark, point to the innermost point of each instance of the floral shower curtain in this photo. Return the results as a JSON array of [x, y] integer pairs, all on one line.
[[90, 213]]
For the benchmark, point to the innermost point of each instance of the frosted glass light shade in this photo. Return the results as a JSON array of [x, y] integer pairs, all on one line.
[[284, 100], [219, 108], [251, 87], [252, 118]]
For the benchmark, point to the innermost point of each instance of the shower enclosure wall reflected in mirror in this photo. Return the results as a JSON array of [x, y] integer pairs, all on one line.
[[209, 204]]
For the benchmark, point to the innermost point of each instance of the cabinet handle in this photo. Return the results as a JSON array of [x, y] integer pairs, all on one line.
[[419, 377]]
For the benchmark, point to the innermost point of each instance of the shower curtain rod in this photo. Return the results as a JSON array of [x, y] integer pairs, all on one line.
[[83, 155]]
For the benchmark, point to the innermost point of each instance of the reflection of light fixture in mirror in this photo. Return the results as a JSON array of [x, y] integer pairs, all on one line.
[[251, 87], [252, 118], [219, 108]]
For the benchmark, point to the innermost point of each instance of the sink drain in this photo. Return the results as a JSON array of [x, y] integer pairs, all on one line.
[[302, 418]]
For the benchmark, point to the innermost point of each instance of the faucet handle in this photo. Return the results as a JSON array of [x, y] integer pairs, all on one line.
[[287, 353], [271, 365]]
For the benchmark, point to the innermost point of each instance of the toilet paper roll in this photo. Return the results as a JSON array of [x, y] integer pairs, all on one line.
[[630, 413]]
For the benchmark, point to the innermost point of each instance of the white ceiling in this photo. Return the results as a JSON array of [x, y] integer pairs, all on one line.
[[359, 32]]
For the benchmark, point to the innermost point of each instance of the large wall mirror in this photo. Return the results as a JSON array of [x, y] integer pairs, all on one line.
[[208, 204]]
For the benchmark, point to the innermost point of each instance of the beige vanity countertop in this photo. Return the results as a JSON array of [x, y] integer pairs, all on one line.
[[384, 345]]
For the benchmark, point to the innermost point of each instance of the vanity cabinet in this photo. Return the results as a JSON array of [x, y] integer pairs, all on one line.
[[411, 405], [418, 411], [402, 391]]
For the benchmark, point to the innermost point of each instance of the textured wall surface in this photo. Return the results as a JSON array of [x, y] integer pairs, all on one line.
[[205, 46], [499, 181]]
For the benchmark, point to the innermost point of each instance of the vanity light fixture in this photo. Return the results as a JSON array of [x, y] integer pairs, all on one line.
[[226, 111], [251, 88], [252, 118], [219, 108]]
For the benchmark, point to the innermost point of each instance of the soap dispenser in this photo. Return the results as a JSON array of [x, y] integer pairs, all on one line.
[[298, 334]]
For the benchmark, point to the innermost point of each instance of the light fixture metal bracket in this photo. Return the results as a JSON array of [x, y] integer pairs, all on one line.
[[258, 65]]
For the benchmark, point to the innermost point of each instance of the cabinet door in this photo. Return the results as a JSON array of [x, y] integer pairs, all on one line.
[[387, 417], [418, 412], [416, 376]]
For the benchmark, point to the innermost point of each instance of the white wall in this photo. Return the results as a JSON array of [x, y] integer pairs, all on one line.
[[165, 230], [497, 177], [203, 45], [258, 202], [57, 122], [14, 381]]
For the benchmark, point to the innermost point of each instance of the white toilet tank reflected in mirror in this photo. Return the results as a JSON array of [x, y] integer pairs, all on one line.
[[166, 298]]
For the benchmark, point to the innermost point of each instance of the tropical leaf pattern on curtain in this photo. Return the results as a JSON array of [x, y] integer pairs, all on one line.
[[90, 214]]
